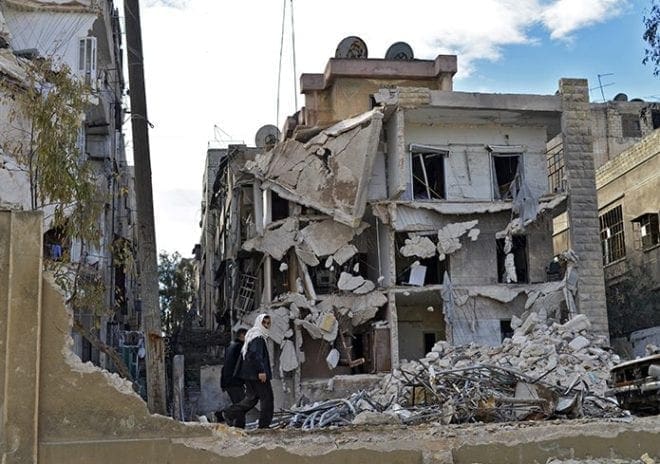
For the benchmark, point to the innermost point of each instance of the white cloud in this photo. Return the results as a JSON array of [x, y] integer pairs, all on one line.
[[564, 17], [179, 4], [215, 62]]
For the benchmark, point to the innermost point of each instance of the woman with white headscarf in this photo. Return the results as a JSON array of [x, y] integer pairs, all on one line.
[[254, 368]]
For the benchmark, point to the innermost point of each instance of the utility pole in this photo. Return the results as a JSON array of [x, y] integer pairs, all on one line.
[[147, 256]]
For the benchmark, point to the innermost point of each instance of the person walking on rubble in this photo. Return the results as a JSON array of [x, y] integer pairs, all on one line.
[[229, 382], [254, 368]]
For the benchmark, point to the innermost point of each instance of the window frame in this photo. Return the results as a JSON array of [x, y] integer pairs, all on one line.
[[87, 60], [639, 225], [613, 245], [417, 150]]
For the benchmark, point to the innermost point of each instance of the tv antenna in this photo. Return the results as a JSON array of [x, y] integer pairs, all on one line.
[[601, 86]]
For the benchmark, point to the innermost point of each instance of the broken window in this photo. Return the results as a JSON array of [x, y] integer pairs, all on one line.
[[555, 157], [505, 172], [279, 207], [655, 119], [646, 230], [412, 270], [429, 341], [280, 278], [505, 329], [325, 279], [630, 126], [611, 235], [428, 175], [519, 252]]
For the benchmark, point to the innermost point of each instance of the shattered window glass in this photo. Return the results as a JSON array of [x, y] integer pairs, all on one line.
[[505, 173], [428, 176]]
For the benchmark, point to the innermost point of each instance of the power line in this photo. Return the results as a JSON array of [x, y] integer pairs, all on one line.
[[293, 52], [279, 70]]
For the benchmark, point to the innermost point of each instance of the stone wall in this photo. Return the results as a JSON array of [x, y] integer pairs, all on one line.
[[582, 200]]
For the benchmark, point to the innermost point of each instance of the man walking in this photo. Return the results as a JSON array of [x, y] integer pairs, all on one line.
[[234, 386], [254, 368]]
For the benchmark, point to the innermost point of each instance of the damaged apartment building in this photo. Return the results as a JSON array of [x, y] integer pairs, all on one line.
[[394, 212]]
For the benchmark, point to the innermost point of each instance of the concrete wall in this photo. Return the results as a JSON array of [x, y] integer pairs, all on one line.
[[475, 263], [607, 131], [479, 320], [414, 322], [468, 170], [632, 180]]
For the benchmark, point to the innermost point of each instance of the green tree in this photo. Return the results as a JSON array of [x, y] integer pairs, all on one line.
[[46, 114], [176, 289], [652, 37]]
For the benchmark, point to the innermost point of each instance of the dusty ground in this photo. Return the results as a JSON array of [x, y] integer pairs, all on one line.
[[559, 442]]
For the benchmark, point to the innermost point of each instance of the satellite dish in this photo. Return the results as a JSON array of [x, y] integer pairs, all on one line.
[[399, 51], [267, 136], [352, 47], [621, 97]]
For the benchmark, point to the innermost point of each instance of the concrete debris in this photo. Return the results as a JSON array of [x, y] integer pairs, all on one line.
[[510, 268], [578, 343], [542, 375], [576, 324], [374, 418], [333, 358], [448, 237], [328, 262], [419, 246], [330, 172], [327, 237], [345, 253], [275, 242], [366, 287], [306, 255], [349, 282], [474, 234], [284, 267], [543, 353], [288, 358]]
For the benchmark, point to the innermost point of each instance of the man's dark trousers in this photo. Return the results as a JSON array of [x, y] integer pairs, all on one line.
[[257, 392]]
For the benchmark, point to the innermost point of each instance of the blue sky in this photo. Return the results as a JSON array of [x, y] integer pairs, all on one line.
[[615, 46], [214, 62]]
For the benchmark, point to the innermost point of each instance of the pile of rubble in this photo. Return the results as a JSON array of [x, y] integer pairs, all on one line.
[[543, 371]]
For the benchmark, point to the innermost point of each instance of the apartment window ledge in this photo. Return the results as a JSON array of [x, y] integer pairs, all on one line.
[[618, 261], [651, 248]]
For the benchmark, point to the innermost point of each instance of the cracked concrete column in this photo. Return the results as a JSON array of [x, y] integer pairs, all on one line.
[[582, 200]]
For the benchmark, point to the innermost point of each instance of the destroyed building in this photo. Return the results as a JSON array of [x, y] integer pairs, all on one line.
[[86, 37], [395, 212]]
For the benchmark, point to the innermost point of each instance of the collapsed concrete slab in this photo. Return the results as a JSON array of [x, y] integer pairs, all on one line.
[[448, 237], [330, 172]]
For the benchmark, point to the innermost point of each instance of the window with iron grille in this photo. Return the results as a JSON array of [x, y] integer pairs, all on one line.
[[611, 235], [555, 159], [646, 230]]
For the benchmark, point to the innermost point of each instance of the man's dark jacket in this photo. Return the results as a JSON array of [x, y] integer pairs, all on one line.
[[256, 361], [228, 379]]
